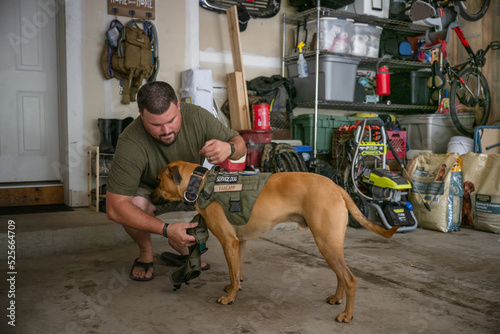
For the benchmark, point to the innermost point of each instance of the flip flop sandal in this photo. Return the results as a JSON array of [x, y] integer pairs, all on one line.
[[146, 267], [177, 260]]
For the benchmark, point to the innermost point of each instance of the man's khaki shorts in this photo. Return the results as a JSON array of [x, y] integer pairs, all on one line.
[[145, 191]]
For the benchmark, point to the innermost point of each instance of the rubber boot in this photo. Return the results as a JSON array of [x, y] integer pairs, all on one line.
[[106, 127], [118, 126]]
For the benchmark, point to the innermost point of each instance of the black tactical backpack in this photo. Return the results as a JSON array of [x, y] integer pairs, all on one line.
[[281, 157]]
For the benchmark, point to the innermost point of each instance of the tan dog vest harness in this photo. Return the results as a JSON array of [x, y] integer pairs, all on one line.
[[236, 192]]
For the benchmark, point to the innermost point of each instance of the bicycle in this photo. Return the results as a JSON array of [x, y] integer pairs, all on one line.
[[469, 89], [471, 10]]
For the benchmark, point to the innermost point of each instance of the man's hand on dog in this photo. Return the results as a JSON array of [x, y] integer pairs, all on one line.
[[177, 233], [215, 151]]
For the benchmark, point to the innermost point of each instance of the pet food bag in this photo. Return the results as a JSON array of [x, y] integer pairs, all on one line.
[[438, 177], [481, 191]]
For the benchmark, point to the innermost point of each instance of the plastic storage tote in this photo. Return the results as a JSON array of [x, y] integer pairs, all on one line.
[[365, 40], [334, 34], [303, 129], [378, 8], [410, 88], [432, 132], [336, 79]]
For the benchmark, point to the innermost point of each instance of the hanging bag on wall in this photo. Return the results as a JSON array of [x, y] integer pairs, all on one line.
[[133, 59], [112, 36]]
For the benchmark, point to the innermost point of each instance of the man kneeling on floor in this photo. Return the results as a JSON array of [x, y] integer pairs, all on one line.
[[165, 131]]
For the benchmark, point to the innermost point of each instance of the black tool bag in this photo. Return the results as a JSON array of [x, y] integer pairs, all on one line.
[[279, 92]]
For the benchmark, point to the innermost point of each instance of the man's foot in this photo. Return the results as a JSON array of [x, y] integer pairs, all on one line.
[[177, 260], [142, 271]]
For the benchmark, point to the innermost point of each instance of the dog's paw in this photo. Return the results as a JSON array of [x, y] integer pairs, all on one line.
[[333, 300], [225, 300], [344, 317]]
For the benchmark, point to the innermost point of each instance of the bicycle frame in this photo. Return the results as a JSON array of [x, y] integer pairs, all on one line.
[[452, 71]]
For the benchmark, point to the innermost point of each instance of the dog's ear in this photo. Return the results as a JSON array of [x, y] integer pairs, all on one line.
[[176, 176]]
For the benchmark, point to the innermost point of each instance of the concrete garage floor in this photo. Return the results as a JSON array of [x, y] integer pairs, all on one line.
[[72, 277]]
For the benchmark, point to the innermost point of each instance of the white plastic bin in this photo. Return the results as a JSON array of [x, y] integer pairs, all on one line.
[[334, 34], [365, 40]]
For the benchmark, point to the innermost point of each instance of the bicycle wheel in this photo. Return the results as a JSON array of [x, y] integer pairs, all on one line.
[[473, 10], [469, 96]]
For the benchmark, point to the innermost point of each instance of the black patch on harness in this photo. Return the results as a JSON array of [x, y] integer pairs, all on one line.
[[226, 179]]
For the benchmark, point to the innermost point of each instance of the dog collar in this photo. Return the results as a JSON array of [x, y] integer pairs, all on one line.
[[191, 194]]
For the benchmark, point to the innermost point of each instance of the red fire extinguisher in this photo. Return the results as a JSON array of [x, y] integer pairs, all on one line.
[[383, 78]]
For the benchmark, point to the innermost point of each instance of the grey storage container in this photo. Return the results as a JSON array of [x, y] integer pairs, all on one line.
[[336, 79], [432, 132]]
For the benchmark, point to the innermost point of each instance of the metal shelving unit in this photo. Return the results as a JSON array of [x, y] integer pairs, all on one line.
[[365, 62], [361, 106], [361, 18]]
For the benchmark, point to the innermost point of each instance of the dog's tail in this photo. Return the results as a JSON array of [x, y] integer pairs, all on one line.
[[353, 209]]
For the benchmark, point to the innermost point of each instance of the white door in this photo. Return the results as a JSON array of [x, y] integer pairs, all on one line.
[[29, 116]]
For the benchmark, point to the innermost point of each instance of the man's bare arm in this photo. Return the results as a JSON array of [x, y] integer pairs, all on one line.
[[120, 209]]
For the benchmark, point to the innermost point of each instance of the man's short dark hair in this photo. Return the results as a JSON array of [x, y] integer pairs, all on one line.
[[156, 97]]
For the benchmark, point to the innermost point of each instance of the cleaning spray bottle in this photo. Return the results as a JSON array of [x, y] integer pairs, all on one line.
[[302, 64]]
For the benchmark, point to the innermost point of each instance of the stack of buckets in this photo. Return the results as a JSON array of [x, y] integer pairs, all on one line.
[[259, 136]]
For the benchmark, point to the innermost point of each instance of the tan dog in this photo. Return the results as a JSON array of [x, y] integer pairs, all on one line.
[[309, 199]]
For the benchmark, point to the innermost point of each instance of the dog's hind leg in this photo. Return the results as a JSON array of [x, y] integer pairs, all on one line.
[[336, 299], [345, 282], [330, 242]]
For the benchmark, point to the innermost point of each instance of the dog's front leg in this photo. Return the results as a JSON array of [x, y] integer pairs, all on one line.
[[241, 254], [243, 243], [231, 251]]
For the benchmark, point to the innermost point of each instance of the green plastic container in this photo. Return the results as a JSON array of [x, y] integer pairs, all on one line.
[[303, 129]]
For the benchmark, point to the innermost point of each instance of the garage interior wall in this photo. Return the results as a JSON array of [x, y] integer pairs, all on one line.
[[189, 37]]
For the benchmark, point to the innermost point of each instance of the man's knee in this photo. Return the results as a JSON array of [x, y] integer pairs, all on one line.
[[144, 204]]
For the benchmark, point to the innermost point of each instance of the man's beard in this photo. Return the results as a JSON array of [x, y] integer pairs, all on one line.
[[169, 143]]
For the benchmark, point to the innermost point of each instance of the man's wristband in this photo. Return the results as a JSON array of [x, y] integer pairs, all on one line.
[[233, 149], [165, 227]]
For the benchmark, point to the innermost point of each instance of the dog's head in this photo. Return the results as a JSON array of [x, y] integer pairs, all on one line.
[[469, 187], [173, 180]]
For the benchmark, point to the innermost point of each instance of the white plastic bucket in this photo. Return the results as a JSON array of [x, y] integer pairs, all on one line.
[[460, 145]]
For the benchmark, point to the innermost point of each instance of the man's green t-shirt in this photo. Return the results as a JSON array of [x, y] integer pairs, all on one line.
[[139, 157]]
